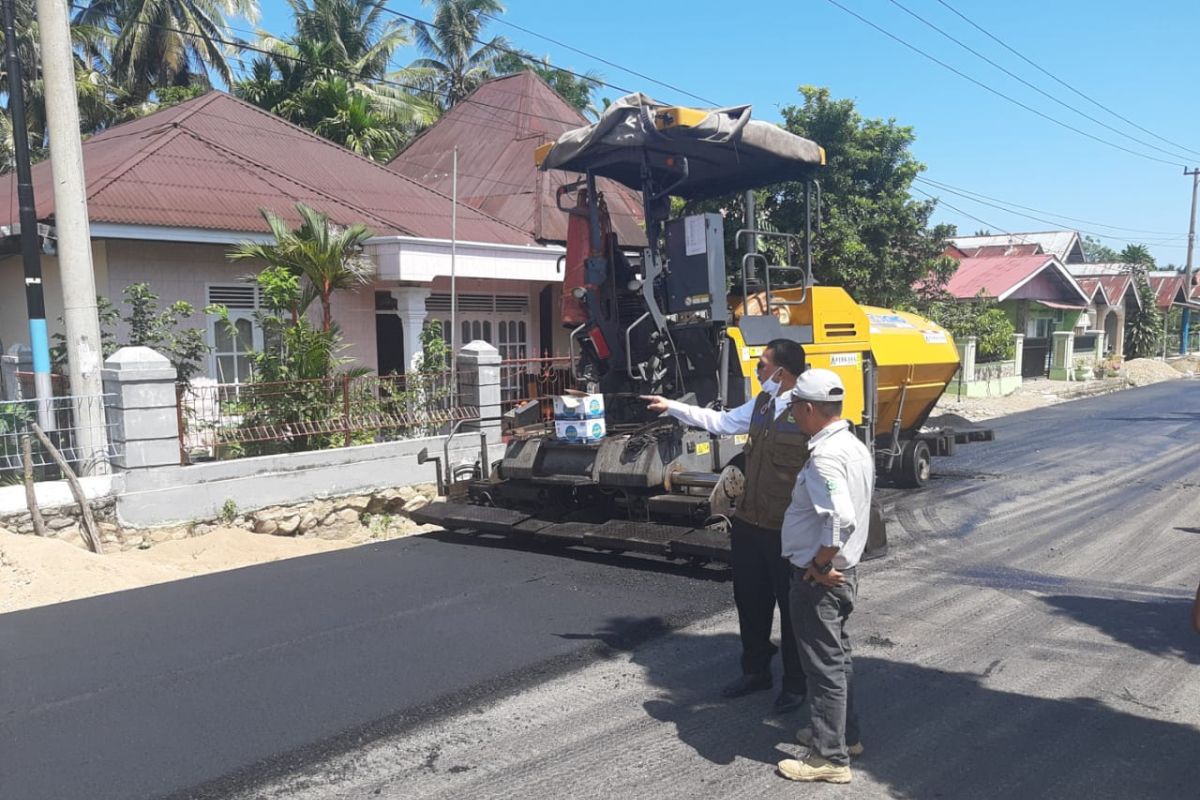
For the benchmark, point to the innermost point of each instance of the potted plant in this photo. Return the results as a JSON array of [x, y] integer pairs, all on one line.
[[1081, 370]]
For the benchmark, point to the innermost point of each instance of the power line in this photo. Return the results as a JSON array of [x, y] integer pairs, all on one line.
[[605, 61], [1056, 223], [1024, 82], [943, 185], [996, 92], [510, 51], [1058, 80], [967, 214]]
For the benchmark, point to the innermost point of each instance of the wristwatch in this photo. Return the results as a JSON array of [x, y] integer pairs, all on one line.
[[823, 569]]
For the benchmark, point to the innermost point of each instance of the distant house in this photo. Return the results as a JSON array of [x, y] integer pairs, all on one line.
[[1170, 291], [1114, 295], [1036, 291], [1066, 246], [170, 193]]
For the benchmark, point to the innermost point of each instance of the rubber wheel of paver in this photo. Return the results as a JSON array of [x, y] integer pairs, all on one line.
[[914, 465]]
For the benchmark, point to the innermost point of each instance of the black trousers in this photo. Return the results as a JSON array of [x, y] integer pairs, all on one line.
[[761, 580]]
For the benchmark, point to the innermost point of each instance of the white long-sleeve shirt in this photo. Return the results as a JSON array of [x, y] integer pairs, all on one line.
[[831, 502], [724, 423]]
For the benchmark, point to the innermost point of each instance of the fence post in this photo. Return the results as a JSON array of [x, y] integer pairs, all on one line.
[[1099, 351], [346, 410], [139, 392], [966, 358], [479, 380], [1018, 353], [1062, 366], [19, 358]]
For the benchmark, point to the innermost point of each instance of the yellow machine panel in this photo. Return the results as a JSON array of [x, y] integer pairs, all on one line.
[[914, 358]]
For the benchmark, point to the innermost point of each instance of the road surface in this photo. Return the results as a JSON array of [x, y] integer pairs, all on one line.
[[1028, 637]]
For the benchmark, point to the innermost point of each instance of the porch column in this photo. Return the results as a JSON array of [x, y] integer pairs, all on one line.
[[1062, 358], [410, 307], [1119, 336], [1018, 353]]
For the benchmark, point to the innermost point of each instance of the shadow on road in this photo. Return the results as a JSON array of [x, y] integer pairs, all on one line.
[[930, 733], [1160, 627]]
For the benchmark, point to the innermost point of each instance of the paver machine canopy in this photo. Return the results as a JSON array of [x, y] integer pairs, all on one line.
[[654, 321]]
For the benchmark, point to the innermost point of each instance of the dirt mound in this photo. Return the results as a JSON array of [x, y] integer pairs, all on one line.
[[1188, 365], [37, 572], [1145, 371]]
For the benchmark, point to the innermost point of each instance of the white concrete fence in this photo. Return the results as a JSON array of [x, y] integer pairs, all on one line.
[[153, 488]]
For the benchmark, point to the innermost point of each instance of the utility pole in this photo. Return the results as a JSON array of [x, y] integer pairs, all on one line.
[[84, 352], [31, 254], [1187, 270], [453, 278]]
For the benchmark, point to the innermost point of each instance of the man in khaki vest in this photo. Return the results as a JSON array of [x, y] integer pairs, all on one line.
[[775, 452]]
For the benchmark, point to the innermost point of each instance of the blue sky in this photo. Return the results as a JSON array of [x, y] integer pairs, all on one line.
[[1139, 60]]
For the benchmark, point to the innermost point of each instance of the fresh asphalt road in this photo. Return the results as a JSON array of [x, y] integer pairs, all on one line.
[[1027, 637]]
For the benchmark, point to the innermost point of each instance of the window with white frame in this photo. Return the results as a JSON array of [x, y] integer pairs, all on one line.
[[500, 320], [228, 361]]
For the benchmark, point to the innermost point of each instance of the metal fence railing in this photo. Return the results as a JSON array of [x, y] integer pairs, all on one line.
[[78, 427], [231, 420], [535, 379]]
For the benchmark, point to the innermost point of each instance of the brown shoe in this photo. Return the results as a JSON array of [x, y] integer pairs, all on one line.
[[813, 768]]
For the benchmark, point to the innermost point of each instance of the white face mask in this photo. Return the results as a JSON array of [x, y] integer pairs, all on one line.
[[771, 385]]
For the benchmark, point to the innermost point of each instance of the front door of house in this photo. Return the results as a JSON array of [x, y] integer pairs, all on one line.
[[389, 343]]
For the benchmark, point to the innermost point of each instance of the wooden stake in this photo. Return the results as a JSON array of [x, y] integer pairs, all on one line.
[[39, 526], [90, 532]]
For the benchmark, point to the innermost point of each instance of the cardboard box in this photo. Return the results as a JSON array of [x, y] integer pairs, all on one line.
[[580, 431], [587, 406]]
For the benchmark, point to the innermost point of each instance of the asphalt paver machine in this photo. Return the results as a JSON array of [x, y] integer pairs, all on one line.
[[660, 319]]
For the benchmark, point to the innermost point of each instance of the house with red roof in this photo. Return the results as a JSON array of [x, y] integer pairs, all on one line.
[[1036, 291], [169, 195], [1114, 296]]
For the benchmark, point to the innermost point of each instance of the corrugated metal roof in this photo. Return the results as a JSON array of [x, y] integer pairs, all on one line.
[[1063, 245], [213, 162], [1095, 289], [497, 128], [998, 276]]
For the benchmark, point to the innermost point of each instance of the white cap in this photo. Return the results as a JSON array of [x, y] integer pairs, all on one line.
[[819, 386]]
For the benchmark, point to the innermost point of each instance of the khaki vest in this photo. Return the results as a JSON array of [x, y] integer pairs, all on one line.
[[775, 453]]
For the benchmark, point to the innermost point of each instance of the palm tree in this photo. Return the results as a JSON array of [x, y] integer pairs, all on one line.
[[160, 43], [327, 77], [455, 65], [327, 256]]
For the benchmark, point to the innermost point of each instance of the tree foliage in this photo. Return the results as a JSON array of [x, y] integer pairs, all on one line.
[[146, 325], [155, 44], [1137, 254], [875, 239], [456, 58], [1144, 325], [574, 89], [1096, 252], [327, 77], [323, 257]]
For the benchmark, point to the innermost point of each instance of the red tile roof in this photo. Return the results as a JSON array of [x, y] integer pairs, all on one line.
[[497, 128], [214, 161]]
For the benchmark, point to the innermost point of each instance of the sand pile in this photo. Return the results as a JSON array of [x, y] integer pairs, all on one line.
[[36, 571], [1145, 371], [1188, 365]]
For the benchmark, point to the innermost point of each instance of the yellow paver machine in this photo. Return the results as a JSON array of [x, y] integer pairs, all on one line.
[[660, 318]]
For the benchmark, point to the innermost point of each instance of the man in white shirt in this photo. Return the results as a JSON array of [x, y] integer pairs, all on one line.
[[824, 534], [774, 453]]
